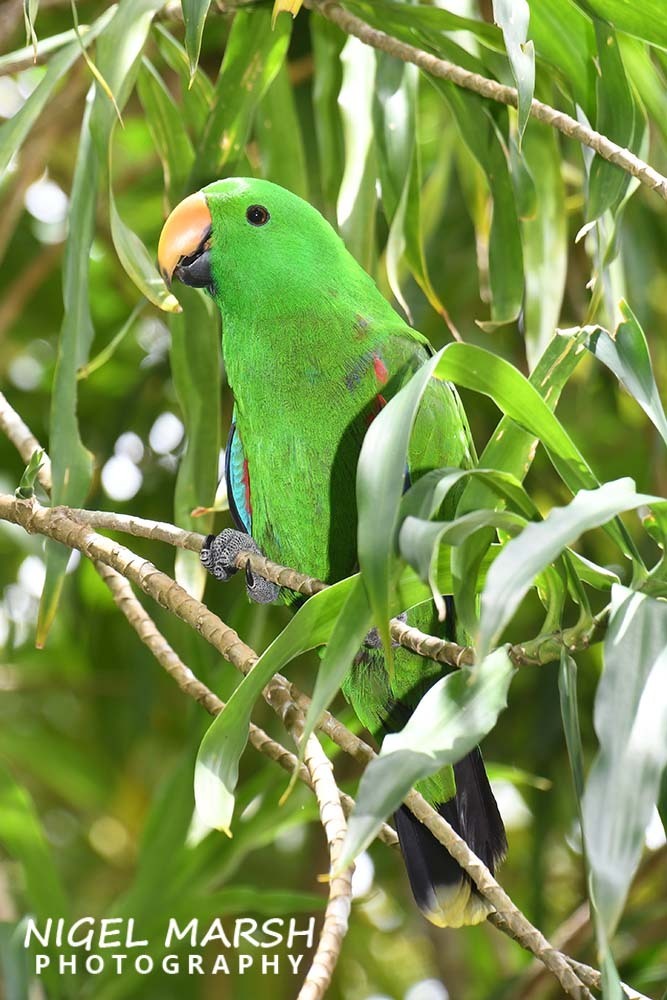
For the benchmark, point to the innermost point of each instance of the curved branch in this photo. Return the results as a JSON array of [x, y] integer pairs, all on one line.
[[337, 913], [446, 70]]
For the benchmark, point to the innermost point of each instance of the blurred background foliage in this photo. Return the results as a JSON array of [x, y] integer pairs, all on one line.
[[431, 191]]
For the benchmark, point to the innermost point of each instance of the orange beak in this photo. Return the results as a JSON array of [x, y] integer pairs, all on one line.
[[185, 237]]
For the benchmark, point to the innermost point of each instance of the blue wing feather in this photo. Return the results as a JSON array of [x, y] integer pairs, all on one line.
[[236, 475]]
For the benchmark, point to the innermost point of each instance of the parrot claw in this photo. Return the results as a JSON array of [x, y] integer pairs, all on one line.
[[219, 554], [259, 590], [373, 640]]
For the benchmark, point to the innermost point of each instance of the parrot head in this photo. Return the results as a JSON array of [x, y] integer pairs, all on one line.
[[248, 239]]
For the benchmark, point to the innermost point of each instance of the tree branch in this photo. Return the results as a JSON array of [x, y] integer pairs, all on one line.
[[337, 913], [443, 69]]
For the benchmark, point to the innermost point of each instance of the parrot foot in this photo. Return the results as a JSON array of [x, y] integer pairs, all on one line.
[[219, 554], [373, 640]]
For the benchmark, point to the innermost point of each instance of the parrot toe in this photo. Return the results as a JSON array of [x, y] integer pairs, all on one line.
[[259, 590], [373, 640], [219, 554]]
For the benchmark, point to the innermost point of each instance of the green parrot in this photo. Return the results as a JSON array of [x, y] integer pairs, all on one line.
[[312, 352]]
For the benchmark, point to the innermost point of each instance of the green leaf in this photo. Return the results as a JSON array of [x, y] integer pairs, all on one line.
[[14, 131], [481, 134], [513, 17], [539, 544], [398, 157], [196, 367], [166, 125], [662, 799], [194, 15], [357, 199], [474, 368], [253, 55], [26, 487], [401, 19], [569, 710], [279, 134], [30, 10], [615, 119], [217, 767], [427, 495], [23, 839], [453, 717], [51, 44], [138, 263], [14, 961], [394, 113], [380, 472], [348, 633], [510, 448], [118, 60], [380, 480], [570, 52], [420, 540], [626, 354], [71, 462], [328, 41], [631, 725], [645, 20], [545, 244], [118, 52], [599, 577], [196, 91], [216, 772], [108, 351]]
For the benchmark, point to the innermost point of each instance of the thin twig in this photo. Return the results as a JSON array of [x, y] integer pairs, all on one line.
[[521, 929], [337, 914], [443, 69], [25, 442]]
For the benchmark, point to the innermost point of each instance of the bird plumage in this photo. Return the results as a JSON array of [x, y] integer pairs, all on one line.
[[312, 352]]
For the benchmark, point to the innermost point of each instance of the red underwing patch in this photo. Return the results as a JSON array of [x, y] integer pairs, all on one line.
[[245, 479], [380, 369]]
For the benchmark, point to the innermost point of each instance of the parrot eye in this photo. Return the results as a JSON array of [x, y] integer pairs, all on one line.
[[257, 215]]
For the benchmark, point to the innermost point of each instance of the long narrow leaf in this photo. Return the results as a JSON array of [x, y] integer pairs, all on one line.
[[14, 131], [539, 544], [195, 364], [253, 55], [626, 354], [194, 15], [356, 205], [453, 717], [380, 481], [510, 448], [631, 725], [513, 17]]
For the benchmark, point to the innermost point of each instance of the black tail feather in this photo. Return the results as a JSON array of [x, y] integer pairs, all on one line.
[[434, 875]]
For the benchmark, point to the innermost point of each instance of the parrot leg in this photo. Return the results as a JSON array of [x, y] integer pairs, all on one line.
[[373, 640], [219, 554]]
